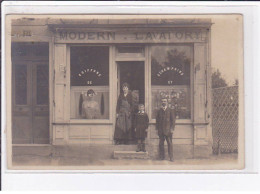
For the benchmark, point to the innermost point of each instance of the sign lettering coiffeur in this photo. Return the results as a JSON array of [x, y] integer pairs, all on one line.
[[86, 73], [185, 35]]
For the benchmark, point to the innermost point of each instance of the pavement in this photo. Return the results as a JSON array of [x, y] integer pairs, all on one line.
[[43, 161]]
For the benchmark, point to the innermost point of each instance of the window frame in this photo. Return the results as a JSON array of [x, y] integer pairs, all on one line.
[[130, 56], [90, 121], [178, 121], [113, 58]]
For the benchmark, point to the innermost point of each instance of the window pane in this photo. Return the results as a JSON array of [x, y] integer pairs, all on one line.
[[89, 65], [21, 84], [89, 82], [42, 84], [178, 99], [130, 49], [171, 79], [82, 107], [30, 49], [41, 50], [19, 49]]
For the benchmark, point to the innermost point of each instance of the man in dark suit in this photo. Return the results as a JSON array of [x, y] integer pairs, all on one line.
[[165, 123]]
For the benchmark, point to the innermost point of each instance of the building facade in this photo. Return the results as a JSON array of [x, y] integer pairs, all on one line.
[[55, 62]]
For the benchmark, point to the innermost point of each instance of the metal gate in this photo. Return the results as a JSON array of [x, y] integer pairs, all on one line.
[[225, 120]]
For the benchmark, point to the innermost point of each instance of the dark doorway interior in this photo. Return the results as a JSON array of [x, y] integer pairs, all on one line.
[[132, 72]]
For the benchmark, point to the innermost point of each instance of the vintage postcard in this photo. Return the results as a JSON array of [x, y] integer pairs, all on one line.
[[124, 92]]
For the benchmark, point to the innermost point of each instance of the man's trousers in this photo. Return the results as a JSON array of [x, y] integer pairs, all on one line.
[[161, 146]]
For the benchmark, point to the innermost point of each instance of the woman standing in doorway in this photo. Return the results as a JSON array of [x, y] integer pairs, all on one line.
[[123, 116]]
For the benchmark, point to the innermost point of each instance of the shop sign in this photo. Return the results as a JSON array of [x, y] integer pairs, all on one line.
[[194, 35], [171, 68], [87, 72]]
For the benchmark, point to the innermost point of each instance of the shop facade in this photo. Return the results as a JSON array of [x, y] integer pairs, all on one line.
[[56, 62]]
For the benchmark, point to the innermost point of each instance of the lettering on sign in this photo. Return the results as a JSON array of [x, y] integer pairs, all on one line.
[[168, 35], [24, 33], [184, 35], [87, 72], [27, 33], [87, 35], [172, 68]]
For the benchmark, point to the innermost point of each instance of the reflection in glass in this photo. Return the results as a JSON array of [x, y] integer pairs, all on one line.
[[89, 65], [171, 65], [178, 99], [171, 79]]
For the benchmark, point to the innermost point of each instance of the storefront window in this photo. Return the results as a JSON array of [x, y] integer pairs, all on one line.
[[89, 82], [171, 79]]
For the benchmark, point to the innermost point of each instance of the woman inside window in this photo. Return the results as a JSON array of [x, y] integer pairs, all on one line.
[[90, 108]]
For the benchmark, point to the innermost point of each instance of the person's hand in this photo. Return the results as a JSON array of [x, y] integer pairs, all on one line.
[[135, 129], [116, 115]]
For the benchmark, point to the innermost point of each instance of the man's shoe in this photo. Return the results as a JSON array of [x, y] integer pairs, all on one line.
[[172, 160]]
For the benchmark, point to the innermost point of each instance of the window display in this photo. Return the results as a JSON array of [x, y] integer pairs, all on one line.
[[89, 82], [171, 79]]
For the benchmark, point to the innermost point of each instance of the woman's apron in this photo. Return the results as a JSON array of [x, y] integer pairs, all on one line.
[[124, 121]]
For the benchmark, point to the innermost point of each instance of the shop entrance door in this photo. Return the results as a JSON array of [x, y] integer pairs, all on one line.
[[132, 72], [30, 121]]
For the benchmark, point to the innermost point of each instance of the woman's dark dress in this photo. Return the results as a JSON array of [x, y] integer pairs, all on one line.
[[141, 124], [124, 120]]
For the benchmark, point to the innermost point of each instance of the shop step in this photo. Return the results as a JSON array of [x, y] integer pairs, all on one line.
[[130, 155]]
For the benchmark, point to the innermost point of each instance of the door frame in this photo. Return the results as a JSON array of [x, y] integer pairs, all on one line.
[[34, 59], [147, 73], [147, 77]]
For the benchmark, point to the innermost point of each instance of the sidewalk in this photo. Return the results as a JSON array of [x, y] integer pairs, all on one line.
[[77, 157]]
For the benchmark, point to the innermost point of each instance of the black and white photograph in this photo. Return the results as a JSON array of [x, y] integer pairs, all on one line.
[[120, 92]]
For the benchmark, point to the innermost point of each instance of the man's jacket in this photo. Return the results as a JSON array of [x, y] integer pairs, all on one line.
[[165, 121]]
